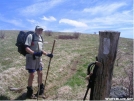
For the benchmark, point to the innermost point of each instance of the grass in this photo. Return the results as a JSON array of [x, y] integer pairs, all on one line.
[[78, 79], [3, 97], [68, 66]]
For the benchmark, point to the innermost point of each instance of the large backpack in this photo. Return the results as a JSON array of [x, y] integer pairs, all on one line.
[[20, 43], [92, 68]]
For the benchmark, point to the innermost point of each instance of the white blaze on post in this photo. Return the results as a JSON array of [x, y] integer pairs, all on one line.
[[106, 46]]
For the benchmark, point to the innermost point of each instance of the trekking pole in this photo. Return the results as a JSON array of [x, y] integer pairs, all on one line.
[[49, 64], [86, 93], [38, 75]]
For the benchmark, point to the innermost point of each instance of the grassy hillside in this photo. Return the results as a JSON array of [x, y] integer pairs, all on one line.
[[67, 73]]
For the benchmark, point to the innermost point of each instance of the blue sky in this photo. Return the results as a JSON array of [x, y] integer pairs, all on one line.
[[86, 16]]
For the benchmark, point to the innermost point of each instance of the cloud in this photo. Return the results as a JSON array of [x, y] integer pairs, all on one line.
[[16, 22], [119, 19], [31, 20], [116, 20], [50, 18], [104, 9], [73, 23], [39, 7], [35, 23]]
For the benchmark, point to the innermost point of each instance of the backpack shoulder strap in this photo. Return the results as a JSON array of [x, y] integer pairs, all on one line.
[[90, 68], [28, 33], [33, 37], [42, 38]]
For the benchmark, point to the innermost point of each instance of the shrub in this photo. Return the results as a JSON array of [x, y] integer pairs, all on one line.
[[76, 35], [48, 33], [65, 37], [2, 34]]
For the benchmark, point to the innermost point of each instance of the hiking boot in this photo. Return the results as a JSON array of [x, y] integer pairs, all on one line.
[[41, 91], [30, 93]]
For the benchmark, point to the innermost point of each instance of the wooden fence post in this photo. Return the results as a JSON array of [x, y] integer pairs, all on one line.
[[106, 55]]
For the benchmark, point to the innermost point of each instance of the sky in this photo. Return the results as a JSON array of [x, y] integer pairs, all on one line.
[[84, 16]]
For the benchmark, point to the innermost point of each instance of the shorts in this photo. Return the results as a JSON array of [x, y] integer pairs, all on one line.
[[33, 65], [33, 70]]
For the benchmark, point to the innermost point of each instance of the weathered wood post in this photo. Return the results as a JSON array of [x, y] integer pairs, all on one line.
[[106, 55]]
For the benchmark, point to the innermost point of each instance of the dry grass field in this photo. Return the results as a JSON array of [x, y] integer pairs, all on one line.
[[66, 79]]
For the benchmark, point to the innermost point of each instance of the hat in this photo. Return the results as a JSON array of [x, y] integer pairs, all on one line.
[[39, 27]]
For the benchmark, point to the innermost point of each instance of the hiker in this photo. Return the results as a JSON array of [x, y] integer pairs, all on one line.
[[34, 60]]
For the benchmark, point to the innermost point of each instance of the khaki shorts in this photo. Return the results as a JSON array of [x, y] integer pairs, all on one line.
[[33, 64]]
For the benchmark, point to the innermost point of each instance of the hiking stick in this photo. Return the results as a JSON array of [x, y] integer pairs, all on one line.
[[49, 64], [38, 75]]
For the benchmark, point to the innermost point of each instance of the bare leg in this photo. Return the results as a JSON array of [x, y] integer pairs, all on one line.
[[30, 79], [41, 86], [39, 77], [29, 88]]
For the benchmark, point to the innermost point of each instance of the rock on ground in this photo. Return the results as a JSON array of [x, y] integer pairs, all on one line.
[[118, 92]]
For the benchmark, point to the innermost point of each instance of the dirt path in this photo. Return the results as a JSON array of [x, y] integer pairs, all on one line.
[[65, 75], [51, 88]]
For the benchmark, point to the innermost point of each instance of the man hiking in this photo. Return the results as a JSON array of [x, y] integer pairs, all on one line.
[[34, 48]]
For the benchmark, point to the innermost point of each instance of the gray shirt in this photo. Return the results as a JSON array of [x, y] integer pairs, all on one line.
[[36, 45]]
